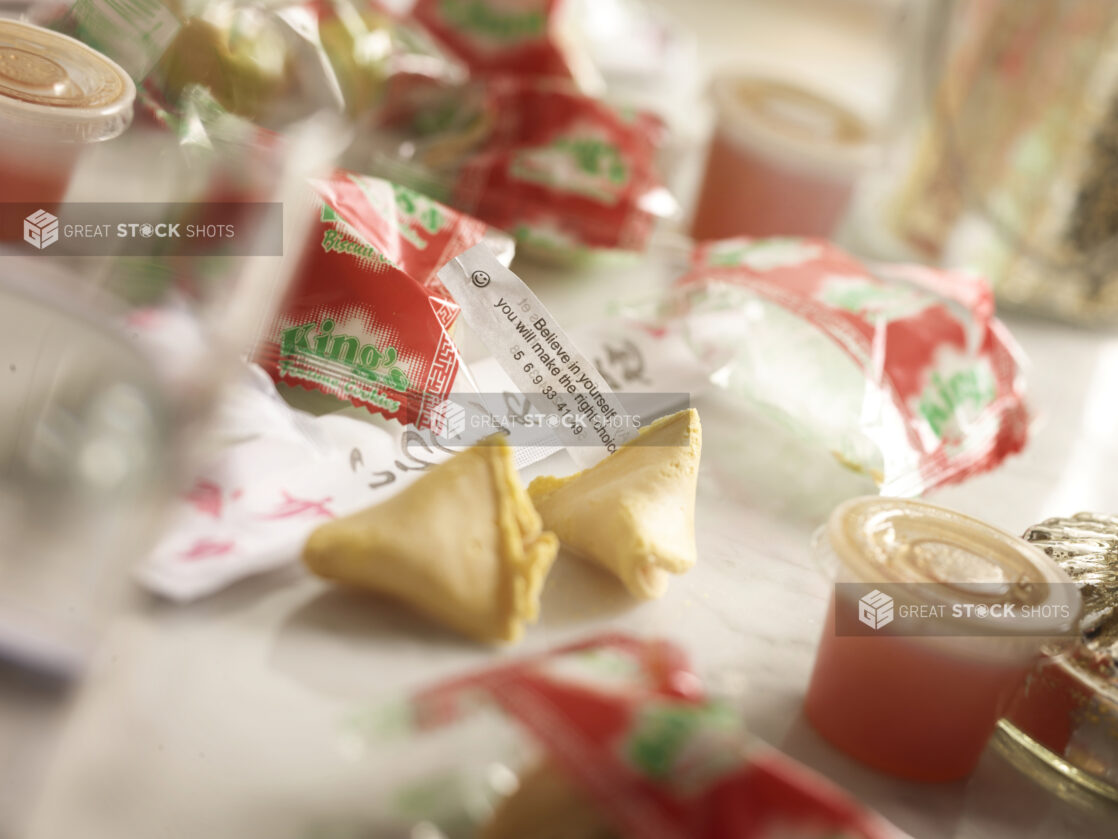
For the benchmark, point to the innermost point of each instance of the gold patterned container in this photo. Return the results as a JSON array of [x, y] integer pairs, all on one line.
[[1062, 728]]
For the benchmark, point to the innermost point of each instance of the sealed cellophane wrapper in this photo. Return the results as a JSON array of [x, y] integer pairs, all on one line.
[[901, 373], [1067, 712], [613, 737]]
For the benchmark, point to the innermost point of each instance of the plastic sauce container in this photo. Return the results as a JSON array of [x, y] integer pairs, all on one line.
[[912, 675], [783, 160], [57, 95]]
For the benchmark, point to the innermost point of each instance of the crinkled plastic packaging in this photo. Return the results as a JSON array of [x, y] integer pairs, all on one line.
[[610, 738], [901, 372], [367, 320], [564, 172]]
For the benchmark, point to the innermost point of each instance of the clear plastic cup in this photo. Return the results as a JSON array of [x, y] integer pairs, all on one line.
[[88, 448], [783, 160], [57, 96], [917, 693]]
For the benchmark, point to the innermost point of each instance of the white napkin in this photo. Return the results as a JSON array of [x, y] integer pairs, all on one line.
[[280, 473]]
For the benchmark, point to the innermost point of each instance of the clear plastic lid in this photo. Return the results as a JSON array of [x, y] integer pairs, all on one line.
[[946, 557], [54, 88], [792, 125]]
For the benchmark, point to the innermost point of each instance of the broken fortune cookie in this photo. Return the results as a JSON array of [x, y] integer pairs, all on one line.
[[633, 513], [463, 545]]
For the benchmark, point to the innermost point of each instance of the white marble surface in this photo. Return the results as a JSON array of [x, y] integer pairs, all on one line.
[[224, 718]]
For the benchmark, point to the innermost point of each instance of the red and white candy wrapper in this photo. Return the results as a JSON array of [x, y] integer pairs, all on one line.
[[627, 723], [903, 372], [517, 37], [560, 169], [367, 320]]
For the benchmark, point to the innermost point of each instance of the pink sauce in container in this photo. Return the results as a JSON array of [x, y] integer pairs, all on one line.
[[935, 622], [57, 96], [783, 160]]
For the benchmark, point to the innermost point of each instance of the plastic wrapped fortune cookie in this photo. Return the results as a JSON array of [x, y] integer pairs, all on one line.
[[463, 545], [634, 512]]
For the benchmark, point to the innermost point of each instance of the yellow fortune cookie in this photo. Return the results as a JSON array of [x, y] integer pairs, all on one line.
[[546, 806], [462, 545], [633, 513], [246, 73]]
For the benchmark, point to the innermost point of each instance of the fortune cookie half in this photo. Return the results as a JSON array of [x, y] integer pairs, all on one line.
[[633, 513], [462, 545]]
